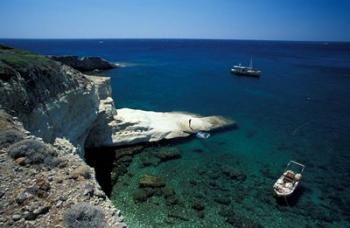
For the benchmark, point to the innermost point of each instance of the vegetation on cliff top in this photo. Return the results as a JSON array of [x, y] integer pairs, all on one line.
[[84, 215], [29, 79], [20, 60]]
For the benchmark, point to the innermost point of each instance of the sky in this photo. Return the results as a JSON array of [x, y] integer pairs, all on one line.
[[309, 20]]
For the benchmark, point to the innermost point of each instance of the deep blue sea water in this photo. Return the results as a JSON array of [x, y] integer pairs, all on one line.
[[298, 109]]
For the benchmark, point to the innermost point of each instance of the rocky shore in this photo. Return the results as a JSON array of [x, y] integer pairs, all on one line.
[[51, 113], [37, 192], [85, 63]]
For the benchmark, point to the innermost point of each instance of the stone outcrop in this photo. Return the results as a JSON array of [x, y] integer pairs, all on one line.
[[85, 63], [132, 126], [53, 100]]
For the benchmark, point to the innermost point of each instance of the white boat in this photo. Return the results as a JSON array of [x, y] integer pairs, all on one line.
[[289, 180], [246, 70]]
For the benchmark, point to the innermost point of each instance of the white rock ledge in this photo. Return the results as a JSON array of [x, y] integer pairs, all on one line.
[[132, 126]]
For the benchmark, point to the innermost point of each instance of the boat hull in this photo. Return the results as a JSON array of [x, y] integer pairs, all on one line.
[[255, 74]]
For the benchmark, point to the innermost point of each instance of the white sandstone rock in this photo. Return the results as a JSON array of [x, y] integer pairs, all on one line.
[[132, 126]]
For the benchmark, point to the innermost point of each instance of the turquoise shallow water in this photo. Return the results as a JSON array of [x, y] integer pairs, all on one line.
[[298, 110]]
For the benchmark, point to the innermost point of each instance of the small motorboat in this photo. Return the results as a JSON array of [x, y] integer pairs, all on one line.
[[246, 70], [202, 135], [289, 180]]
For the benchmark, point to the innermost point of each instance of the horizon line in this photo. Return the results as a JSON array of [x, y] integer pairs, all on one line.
[[149, 38]]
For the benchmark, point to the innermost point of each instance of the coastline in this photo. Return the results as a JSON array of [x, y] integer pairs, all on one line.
[[78, 111]]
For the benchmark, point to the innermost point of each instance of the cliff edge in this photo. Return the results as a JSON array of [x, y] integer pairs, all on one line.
[[51, 99]]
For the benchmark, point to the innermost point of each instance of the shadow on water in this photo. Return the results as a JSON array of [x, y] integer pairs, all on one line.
[[102, 159], [292, 200]]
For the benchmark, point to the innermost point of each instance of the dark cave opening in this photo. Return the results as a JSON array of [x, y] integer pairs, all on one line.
[[101, 159]]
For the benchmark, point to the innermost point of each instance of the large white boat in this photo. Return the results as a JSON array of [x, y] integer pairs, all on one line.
[[241, 70]]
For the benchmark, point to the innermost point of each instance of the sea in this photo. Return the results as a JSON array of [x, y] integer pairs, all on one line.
[[298, 109]]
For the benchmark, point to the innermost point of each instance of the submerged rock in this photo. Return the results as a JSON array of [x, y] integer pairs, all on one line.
[[241, 222], [168, 192], [171, 200], [179, 213], [200, 214], [151, 181], [198, 150], [166, 154], [123, 158], [236, 220], [222, 200], [127, 151], [157, 156], [142, 194], [149, 160], [233, 174], [198, 205]]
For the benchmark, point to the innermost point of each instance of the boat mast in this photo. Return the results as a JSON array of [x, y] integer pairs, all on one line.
[[251, 62]]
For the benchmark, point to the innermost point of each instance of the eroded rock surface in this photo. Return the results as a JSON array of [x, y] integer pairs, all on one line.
[[132, 126]]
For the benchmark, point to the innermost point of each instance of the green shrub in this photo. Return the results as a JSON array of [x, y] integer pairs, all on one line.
[[9, 136], [84, 215], [35, 152]]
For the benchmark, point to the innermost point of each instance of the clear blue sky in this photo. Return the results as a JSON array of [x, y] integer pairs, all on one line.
[[223, 19]]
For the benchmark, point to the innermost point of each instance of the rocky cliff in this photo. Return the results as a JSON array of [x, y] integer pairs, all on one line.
[[55, 101], [49, 184], [51, 99]]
